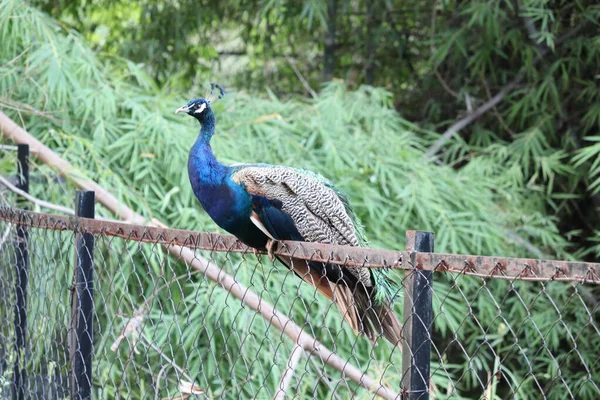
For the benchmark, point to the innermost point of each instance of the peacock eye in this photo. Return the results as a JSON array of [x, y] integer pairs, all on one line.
[[198, 108]]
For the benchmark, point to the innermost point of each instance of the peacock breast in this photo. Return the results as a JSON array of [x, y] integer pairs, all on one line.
[[226, 206], [227, 203]]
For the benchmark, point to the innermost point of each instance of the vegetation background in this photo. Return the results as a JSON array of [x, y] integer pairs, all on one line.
[[477, 120]]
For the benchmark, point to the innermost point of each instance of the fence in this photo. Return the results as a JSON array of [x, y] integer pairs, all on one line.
[[113, 310]]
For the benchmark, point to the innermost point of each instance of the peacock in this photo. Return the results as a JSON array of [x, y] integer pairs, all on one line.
[[261, 203]]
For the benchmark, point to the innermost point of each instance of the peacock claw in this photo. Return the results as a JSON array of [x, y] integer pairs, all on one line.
[[271, 246]]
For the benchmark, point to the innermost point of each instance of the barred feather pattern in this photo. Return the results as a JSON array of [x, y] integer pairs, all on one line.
[[317, 210], [322, 214]]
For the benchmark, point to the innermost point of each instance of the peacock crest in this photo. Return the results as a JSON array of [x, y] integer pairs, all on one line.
[[212, 96]]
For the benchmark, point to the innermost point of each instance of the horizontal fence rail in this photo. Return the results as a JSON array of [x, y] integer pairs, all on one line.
[[474, 327], [480, 266]]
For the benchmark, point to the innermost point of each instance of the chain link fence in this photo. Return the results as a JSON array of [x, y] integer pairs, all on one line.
[[124, 311]]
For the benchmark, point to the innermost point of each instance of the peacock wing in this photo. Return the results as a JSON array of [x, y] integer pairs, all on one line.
[[318, 211]]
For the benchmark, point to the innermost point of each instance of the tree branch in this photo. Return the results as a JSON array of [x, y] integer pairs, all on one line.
[[41, 203], [300, 76], [439, 76], [9, 63], [163, 355], [496, 112], [286, 378], [329, 60], [233, 53], [456, 127], [274, 317], [26, 108], [324, 379], [34, 200]]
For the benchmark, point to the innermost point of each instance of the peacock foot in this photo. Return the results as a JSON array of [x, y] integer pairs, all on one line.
[[271, 246]]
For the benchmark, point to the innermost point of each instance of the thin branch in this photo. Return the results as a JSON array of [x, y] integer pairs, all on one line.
[[18, 135], [15, 59], [496, 113], [41, 90], [252, 300], [572, 32], [444, 84], [468, 102], [457, 126], [324, 379], [533, 33], [299, 75], [158, 377], [232, 53], [387, 11], [35, 200], [22, 107], [286, 378], [432, 27], [188, 389], [42, 203], [133, 325], [163, 355], [133, 329]]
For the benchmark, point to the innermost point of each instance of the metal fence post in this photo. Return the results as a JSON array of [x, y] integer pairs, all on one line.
[[22, 263], [418, 316], [82, 333]]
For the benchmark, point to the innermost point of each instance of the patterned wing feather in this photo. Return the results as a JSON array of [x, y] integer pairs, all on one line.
[[320, 213]]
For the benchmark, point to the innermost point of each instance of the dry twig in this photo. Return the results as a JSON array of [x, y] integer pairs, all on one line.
[[35, 200], [42, 203], [288, 374], [457, 126], [300, 76]]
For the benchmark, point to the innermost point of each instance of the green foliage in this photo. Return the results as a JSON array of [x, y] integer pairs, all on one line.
[[494, 192], [544, 130], [435, 60]]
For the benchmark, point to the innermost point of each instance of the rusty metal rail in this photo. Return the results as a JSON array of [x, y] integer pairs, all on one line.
[[481, 266]]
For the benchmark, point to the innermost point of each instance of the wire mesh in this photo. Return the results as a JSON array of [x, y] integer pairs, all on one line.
[[516, 340], [163, 329], [166, 328]]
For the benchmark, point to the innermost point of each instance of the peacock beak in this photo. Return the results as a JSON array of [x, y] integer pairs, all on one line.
[[184, 109]]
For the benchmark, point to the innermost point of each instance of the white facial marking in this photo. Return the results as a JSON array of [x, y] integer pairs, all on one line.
[[200, 109]]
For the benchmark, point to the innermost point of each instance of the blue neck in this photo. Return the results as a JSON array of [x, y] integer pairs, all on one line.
[[225, 201], [203, 167], [208, 127]]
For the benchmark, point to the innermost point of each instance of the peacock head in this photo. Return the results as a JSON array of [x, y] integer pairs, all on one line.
[[200, 108]]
